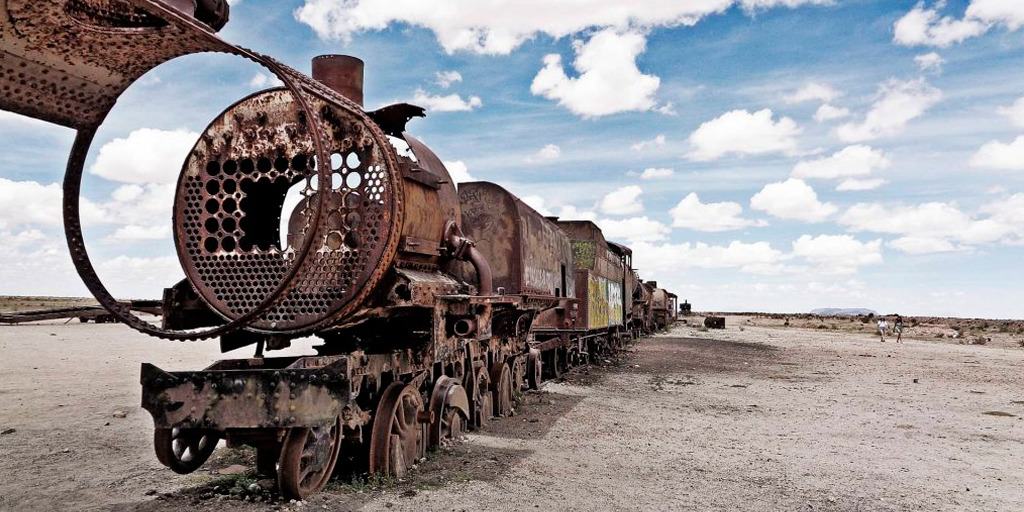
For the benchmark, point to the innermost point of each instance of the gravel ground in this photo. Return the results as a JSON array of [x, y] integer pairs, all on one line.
[[750, 418]]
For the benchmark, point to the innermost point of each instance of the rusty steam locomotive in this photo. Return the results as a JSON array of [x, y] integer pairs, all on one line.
[[435, 305]]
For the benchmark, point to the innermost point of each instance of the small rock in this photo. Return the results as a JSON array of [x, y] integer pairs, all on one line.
[[107, 424], [8, 431], [266, 483], [254, 488], [409, 494], [151, 492], [66, 450], [915, 381], [234, 469], [120, 414]]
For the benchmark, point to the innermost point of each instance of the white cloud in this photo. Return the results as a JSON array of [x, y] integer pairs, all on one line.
[[828, 112], [999, 155], [839, 254], [743, 133], [930, 62], [1014, 112], [691, 213], [926, 27], [139, 232], [667, 109], [656, 173], [537, 203], [633, 229], [670, 259], [499, 26], [146, 155], [857, 160], [459, 172], [447, 103], [857, 185], [657, 141], [922, 245], [622, 201], [896, 104], [571, 212], [813, 91], [937, 221], [793, 200], [445, 79], [609, 81], [263, 81], [546, 154], [30, 203]]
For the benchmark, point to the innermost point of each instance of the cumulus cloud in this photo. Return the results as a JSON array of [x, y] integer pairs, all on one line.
[[829, 112], [1000, 155], [654, 173], [633, 229], [24, 204], [608, 80], [897, 103], [263, 81], [859, 185], [622, 201], [445, 79], [937, 224], [922, 245], [546, 154], [929, 62], [670, 259], [857, 160], [839, 254], [924, 26], [792, 199], [458, 171], [146, 155], [498, 27], [813, 91], [691, 213], [446, 103], [743, 133], [657, 141], [1014, 112]]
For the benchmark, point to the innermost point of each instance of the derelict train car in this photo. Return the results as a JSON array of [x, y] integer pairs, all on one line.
[[424, 331]]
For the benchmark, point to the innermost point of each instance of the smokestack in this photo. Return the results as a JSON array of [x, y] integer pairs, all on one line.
[[342, 73]]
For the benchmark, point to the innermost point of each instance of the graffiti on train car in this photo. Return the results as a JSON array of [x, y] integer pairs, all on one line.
[[584, 253], [597, 305]]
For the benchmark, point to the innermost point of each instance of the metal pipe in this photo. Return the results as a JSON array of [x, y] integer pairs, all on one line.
[[485, 280], [342, 73], [464, 327]]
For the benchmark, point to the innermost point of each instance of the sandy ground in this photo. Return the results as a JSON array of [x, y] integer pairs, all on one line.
[[750, 418]]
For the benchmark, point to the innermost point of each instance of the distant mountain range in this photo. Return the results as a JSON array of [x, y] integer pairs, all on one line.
[[843, 312]]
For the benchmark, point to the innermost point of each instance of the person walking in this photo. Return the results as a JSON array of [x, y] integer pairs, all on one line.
[[897, 328], [882, 327]]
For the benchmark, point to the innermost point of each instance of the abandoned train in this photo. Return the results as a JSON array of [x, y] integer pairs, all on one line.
[[435, 305]]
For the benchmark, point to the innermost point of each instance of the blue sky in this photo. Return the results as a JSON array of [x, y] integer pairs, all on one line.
[[762, 108]]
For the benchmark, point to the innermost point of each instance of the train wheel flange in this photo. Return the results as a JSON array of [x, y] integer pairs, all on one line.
[[450, 411], [398, 437], [184, 450], [308, 456], [480, 399]]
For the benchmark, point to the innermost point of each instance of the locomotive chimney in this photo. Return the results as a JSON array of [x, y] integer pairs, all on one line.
[[342, 73]]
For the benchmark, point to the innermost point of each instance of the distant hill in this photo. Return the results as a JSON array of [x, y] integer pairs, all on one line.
[[843, 312]]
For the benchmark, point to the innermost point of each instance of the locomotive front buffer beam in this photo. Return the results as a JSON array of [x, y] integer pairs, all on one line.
[[259, 393]]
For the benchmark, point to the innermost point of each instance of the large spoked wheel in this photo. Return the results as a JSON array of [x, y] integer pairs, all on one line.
[[184, 449], [398, 438], [501, 378], [307, 459]]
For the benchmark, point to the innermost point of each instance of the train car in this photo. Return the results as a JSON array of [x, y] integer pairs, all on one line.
[[533, 257], [661, 306], [599, 283], [629, 283]]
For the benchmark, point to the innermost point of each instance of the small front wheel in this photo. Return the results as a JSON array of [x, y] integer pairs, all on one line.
[[184, 450]]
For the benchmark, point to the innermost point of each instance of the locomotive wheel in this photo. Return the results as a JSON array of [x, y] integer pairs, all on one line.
[[518, 376], [307, 459], [501, 379], [449, 407], [553, 365], [534, 369], [398, 439], [184, 449], [480, 400]]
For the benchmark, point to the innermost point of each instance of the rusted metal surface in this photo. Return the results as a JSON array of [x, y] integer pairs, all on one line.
[[599, 276], [714, 322]]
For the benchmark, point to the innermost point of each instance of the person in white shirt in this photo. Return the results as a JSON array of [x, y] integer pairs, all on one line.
[[882, 327]]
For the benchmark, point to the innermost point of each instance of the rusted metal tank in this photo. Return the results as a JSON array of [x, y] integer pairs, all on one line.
[[625, 255], [599, 272]]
